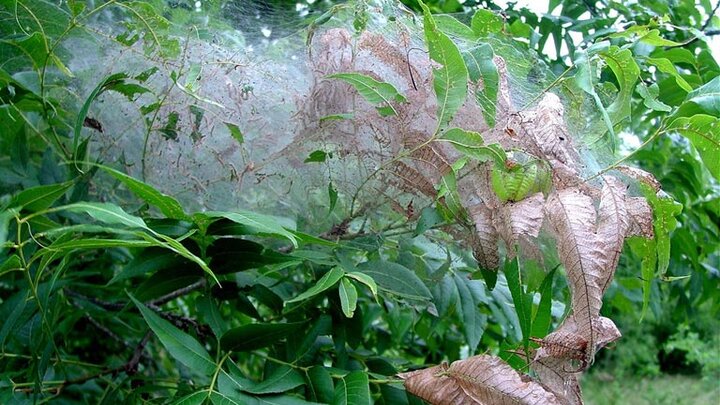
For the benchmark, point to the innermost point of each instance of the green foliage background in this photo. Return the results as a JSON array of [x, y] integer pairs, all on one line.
[[151, 303]]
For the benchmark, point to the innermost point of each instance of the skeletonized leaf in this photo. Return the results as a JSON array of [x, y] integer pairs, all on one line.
[[613, 225], [641, 176], [572, 216], [549, 132], [483, 379], [485, 238], [641, 217], [519, 223]]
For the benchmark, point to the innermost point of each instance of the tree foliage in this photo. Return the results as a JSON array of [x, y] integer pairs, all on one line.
[[113, 291]]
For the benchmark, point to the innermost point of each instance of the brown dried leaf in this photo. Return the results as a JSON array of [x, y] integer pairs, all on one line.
[[640, 175], [549, 131], [411, 181], [519, 223], [564, 384], [483, 379], [572, 216], [485, 240], [613, 225], [641, 217], [562, 344]]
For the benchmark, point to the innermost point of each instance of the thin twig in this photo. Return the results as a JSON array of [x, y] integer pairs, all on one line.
[[178, 293]]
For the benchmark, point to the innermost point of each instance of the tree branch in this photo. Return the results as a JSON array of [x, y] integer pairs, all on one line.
[[130, 367]]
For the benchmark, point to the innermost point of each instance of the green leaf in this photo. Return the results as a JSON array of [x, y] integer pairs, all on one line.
[[11, 264], [333, 196], [653, 38], [472, 320], [179, 344], [584, 79], [543, 317], [217, 398], [177, 247], [647, 250], [665, 209], [353, 389], [195, 398], [429, 217], [445, 295], [40, 197], [664, 65], [454, 28], [337, 117], [520, 181], [471, 144], [256, 335], [35, 46], [153, 259], [104, 85], [449, 192], [521, 300], [300, 350], [486, 22], [321, 384], [327, 281], [283, 378], [365, 279], [105, 212], [649, 95], [89, 243], [623, 65], [703, 131], [707, 97], [490, 277], [210, 313], [379, 94], [235, 132], [168, 205], [449, 81], [318, 156], [259, 222], [396, 279], [145, 19], [348, 297], [481, 69]]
